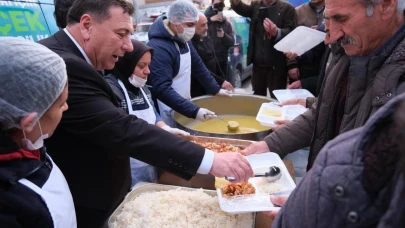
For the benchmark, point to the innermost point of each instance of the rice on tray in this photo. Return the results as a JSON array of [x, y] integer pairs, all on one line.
[[264, 187], [178, 208]]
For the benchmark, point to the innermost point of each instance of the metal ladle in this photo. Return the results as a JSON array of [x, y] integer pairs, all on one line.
[[233, 126], [272, 175]]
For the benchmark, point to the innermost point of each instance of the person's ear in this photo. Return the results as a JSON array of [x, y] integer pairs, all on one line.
[[387, 8], [86, 22], [28, 122]]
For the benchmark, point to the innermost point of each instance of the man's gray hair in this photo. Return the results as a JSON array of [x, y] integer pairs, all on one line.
[[369, 4]]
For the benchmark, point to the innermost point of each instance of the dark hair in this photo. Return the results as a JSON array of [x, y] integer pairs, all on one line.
[[7, 143], [126, 65], [99, 9], [61, 10]]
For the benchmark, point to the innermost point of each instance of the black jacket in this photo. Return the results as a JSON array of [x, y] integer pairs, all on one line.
[[313, 84], [264, 48], [19, 205], [205, 50], [95, 138], [311, 63], [221, 44]]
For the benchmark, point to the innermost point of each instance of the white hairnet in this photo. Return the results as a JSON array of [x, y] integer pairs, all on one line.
[[182, 11], [32, 77]]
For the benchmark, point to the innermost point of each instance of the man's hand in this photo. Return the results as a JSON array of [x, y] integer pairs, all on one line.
[[205, 114], [277, 200], [291, 55], [217, 17], [175, 131], [223, 92], [270, 27], [267, 27], [295, 101], [233, 165], [256, 148], [294, 73], [279, 123], [295, 85], [227, 85]]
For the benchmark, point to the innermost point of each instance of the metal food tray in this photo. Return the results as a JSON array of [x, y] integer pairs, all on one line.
[[234, 142], [150, 187]]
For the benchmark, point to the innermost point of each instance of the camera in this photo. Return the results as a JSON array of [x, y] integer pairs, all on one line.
[[268, 12], [218, 7], [263, 13]]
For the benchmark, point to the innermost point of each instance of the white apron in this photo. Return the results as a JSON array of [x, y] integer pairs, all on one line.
[[57, 197], [181, 84], [140, 171], [147, 114]]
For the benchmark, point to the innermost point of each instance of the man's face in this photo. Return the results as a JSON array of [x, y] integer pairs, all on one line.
[[109, 39], [349, 24], [327, 31], [180, 27], [202, 26]]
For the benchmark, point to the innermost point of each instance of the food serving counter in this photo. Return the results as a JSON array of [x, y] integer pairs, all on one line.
[[207, 182]]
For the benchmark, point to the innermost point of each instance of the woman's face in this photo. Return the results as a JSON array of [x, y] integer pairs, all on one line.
[[50, 120], [142, 67]]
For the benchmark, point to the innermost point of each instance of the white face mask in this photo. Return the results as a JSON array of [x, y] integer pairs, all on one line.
[[136, 81], [29, 145], [187, 34]]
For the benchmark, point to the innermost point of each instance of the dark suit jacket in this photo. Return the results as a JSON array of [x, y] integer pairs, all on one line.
[[95, 139], [285, 21]]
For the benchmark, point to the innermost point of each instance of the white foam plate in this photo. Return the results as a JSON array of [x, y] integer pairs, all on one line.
[[241, 91], [260, 201], [287, 94], [288, 112], [300, 40]]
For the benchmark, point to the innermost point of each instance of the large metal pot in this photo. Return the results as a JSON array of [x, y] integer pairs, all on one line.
[[239, 104]]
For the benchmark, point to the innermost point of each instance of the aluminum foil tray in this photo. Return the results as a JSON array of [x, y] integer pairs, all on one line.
[[150, 187]]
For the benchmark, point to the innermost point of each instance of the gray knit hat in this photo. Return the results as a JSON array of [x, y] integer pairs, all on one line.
[[32, 77]]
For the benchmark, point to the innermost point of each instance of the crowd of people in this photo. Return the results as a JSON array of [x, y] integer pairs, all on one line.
[[103, 106]]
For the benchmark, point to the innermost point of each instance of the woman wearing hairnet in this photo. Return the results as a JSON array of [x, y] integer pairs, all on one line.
[[127, 80], [33, 93]]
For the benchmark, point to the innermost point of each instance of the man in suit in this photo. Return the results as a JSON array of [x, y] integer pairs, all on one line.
[[271, 20], [95, 138], [307, 68]]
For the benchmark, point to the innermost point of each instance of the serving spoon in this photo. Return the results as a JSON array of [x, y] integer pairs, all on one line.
[[272, 175], [233, 126]]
